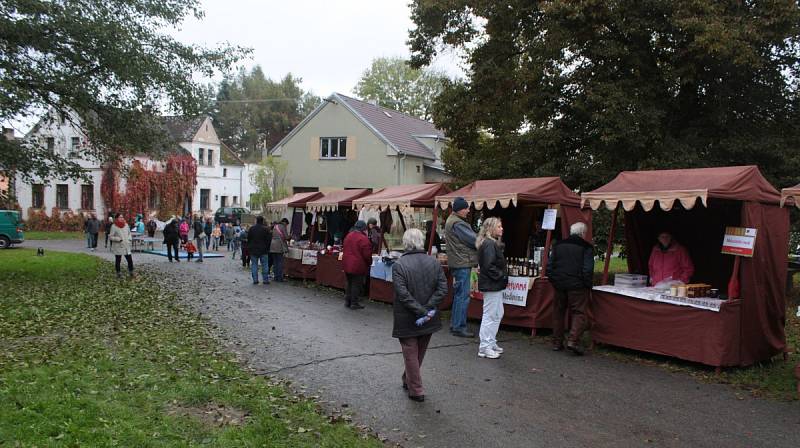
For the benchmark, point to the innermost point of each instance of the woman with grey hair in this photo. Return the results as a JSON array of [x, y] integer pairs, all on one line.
[[419, 287], [492, 280]]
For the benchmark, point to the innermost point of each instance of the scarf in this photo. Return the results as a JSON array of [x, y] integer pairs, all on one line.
[[120, 222]]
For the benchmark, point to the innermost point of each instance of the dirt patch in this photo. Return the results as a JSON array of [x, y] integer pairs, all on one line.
[[210, 414]]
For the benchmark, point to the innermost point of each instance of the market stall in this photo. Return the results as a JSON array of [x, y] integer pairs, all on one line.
[[732, 311], [301, 261], [333, 211], [791, 196], [522, 205], [400, 199]]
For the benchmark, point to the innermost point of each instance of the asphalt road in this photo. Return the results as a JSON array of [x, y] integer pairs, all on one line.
[[530, 397]]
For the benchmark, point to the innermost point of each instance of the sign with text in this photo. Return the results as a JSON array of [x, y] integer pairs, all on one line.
[[309, 257], [516, 292], [549, 219], [739, 241]]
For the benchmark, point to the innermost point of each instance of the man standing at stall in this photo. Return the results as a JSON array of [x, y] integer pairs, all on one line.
[[356, 260], [570, 271], [374, 234], [258, 240], [461, 258]]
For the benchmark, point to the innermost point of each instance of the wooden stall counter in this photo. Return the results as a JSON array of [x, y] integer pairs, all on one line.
[[294, 268], [536, 314], [330, 271]]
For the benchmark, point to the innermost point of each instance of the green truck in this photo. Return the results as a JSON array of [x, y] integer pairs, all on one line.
[[10, 229]]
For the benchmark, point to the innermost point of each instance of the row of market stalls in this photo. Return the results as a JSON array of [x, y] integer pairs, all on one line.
[[742, 325]]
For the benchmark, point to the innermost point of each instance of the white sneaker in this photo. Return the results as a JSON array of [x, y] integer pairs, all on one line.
[[488, 353], [498, 349]]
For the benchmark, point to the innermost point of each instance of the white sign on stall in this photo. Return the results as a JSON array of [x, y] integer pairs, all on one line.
[[309, 257], [549, 219], [516, 292]]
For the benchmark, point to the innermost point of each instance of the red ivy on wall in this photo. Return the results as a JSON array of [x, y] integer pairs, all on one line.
[[170, 187]]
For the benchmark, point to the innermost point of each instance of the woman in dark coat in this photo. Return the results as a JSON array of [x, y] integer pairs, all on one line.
[[172, 239], [419, 287], [356, 260]]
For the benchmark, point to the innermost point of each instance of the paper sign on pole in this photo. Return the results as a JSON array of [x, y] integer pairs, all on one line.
[[739, 241], [549, 220], [516, 292]]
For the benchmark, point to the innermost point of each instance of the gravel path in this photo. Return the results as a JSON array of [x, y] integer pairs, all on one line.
[[530, 397]]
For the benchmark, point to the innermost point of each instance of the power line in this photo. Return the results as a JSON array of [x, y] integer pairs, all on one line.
[[266, 100]]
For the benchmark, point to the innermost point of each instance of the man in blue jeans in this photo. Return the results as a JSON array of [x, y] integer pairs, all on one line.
[[461, 258], [258, 240]]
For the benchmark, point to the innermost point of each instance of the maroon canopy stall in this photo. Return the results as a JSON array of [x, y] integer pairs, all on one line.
[[329, 267], [293, 267], [520, 203], [400, 198], [790, 196], [696, 205]]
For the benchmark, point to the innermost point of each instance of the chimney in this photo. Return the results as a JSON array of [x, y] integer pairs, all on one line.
[[8, 133]]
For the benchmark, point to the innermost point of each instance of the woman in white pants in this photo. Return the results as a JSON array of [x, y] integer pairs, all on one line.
[[492, 280]]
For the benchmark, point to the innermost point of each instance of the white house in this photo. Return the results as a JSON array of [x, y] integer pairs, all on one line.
[[223, 179]]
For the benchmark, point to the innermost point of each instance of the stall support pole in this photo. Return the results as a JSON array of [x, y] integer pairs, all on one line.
[[402, 220], [543, 270], [433, 229], [313, 228], [733, 284], [610, 245]]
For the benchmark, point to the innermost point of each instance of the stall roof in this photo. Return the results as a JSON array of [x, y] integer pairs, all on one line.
[[489, 193], [743, 183], [297, 200], [335, 199], [420, 195], [791, 195]]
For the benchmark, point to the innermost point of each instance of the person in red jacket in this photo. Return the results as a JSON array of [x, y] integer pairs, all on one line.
[[356, 260], [669, 261]]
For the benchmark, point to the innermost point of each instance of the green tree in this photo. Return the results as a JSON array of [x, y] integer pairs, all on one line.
[[109, 62], [254, 112], [587, 89], [270, 181], [394, 84]]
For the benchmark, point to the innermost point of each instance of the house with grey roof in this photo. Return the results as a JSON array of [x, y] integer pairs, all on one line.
[[349, 143]]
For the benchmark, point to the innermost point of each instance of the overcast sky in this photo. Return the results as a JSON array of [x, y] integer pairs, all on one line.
[[326, 43]]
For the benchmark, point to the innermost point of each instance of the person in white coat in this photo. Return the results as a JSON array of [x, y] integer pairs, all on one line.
[[120, 236]]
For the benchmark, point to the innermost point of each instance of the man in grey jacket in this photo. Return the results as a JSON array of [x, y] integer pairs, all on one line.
[[461, 258], [92, 229], [278, 247]]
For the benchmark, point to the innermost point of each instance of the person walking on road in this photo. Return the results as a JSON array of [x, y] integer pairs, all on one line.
[[172, 239], [216, 234], [208, 227], [258, 241], [419, 287], [461, 258], [121, 238], [92, 228], [356, 260], [279, 247], [492, 280], [183, 230], [229, 233], [107, 228], [199, 237], [570, 271], [245, 249]]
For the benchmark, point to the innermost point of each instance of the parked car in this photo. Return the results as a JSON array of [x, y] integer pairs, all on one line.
[[10, 229], [230, 214]]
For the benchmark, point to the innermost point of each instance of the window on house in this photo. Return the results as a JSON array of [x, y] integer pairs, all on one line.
[[224, 172], [153, 200], [236, 200], [37, 190], [223, 201], [418, 168], [87, 197], [333, 148], [210, 157], [252, 201], [201, 159], [62, 196], [51, 143], [205, 194], [74, 143]]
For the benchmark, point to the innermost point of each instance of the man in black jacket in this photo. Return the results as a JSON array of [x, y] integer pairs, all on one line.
[[172, 239], [258, 240], [570, 271], [199, 236]]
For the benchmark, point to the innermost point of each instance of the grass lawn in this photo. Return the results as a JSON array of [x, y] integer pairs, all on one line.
[[88, 360], [771, 379], [59, 235]]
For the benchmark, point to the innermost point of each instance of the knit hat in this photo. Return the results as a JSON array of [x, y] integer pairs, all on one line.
[[360, 226], [460, 204], [372, 221]]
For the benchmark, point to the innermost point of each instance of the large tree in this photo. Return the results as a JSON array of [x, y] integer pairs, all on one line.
[[110, 62], [394, 84], [586, 89], [254, 112]]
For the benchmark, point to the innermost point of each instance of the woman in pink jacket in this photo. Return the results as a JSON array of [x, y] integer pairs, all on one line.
[[669, 260]]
